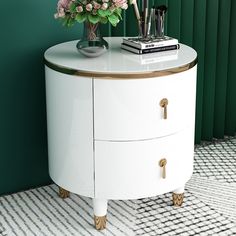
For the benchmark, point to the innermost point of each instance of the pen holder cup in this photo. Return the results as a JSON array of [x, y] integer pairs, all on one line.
[[144, 32], [160, 18]]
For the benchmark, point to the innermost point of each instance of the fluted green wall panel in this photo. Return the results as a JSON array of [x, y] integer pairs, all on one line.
[[130, 24], [210, 69], [222, 67], [187, 16], [209, 27], [174, 18], [199, 28], [230, 119]]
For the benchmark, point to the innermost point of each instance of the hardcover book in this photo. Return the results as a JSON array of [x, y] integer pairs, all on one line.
[[149, 50], [150, 58], [152, 43]]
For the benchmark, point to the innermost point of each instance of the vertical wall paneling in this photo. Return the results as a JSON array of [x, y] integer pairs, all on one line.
[[106, 30], [199, 45], [152, 3], [210, 69], [187, 17], [230, 119], [174, 18], [131, 23], [119, 30], [124, 23], [222, 68]]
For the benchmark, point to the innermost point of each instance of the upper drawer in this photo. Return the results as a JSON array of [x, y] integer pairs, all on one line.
[[131, 109]]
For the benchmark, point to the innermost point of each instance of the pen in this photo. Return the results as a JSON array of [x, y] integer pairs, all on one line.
[[136, 10], [145, 16], [151, 16]]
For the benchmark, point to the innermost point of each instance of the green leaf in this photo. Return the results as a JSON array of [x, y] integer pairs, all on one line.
[[103, 20], [113, 19], [72, 7], [118, 11], [68, 21], [65, 20], [93, 18], [104, 13], [81, 17]]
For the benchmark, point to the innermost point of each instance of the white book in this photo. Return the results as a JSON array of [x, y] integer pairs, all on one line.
[[153, 43], [151, 58], [149, 50]]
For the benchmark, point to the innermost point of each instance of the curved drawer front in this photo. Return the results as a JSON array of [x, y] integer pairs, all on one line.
[[134, 109], [129, 170]]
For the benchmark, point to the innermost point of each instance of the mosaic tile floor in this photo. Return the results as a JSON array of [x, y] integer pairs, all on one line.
[[209, 207]]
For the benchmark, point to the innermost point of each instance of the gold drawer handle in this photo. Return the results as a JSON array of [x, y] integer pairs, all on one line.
[[162, 164], [163, 104]]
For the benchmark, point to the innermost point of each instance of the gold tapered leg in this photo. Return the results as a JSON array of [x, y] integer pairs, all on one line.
[[100, 222], [178, 199], [63, 193]]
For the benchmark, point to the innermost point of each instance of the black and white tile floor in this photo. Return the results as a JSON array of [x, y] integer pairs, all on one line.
[[209, 207]]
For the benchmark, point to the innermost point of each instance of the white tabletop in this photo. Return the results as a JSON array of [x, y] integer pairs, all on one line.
[[117, 60]]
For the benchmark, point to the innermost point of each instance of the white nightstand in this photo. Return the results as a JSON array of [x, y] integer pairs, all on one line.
[[120, 126]]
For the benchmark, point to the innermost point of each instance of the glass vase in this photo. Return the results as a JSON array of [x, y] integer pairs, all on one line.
[[92, 43]]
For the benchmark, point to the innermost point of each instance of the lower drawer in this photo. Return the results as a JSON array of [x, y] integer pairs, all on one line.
[[130, 170]]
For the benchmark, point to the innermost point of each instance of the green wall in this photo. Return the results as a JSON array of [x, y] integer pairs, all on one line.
[[28, 29]]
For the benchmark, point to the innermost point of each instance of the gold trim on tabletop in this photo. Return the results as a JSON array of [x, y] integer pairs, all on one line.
[[63, 193], [104, 75], [178, 199], [100, 222]]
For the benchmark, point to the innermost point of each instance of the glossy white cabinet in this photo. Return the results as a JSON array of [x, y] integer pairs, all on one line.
[[70, 131], [118, 128]]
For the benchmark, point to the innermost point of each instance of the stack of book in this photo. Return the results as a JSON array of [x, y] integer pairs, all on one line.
[[140, 46], [152, 58]]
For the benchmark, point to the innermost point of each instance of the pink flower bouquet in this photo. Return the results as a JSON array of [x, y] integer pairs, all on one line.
[[103, 11]]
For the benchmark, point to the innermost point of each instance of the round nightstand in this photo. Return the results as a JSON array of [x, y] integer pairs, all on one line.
[[120, 126]]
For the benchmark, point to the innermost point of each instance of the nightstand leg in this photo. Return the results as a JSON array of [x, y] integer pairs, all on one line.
[[100, 212], [63, 193], [178, 197]]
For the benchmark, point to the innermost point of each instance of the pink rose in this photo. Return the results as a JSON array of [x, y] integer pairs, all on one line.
[[124, 6], [64, 4], [120, 3], [79, 9], [62, 8], [89, 7], [96, 5], [60, 13], [104, 6]]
